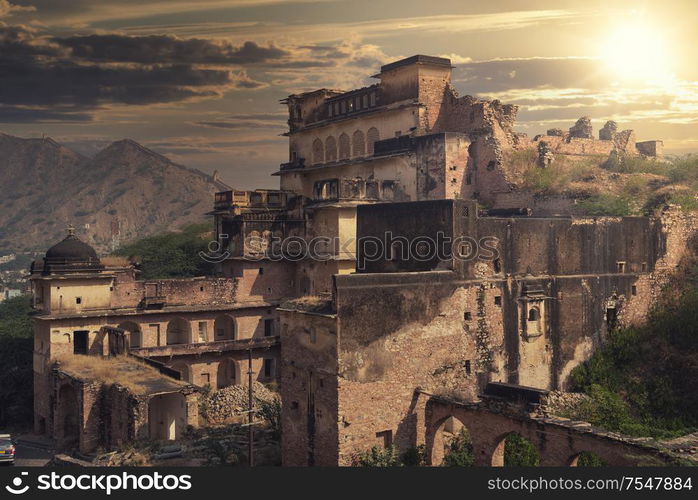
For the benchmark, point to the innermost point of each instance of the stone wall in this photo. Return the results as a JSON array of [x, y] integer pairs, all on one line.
[[309, 387]]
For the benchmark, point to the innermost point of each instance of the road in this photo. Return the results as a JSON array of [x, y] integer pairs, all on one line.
[[29, 456]]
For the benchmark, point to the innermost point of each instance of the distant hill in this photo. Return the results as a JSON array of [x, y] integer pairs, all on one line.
[[125, 192]]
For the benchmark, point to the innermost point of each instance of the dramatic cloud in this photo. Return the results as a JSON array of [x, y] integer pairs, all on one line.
[[17, 114], [487, 77], [7, 9], [36, 72], [166, 49]]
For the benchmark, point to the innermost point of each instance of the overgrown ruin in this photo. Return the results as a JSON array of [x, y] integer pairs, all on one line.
[[377, 348]]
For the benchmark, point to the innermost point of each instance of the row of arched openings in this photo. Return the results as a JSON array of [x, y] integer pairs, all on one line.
[[179, 331], [345, 147], [452, 447], [227, 373]]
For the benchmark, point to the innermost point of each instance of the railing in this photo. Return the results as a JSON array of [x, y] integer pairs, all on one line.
[[226, 200], [354, 189]]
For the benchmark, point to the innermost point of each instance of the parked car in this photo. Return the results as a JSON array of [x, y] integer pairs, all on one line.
[[7, 449]]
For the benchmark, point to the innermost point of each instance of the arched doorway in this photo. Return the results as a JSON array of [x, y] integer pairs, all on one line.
[[133, 332], [587, 459], [228, 373], [451, 444], [183, 370], [514, 450], [224, 327], [68, 418], [178, 331]]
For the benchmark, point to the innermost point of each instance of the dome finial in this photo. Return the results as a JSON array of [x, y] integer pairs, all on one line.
[[71, 230]]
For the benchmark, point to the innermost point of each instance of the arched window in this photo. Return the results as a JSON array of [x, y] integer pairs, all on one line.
[[134, 333], [318, 151], [227, 373], [533, 314], [224, 327], [371, 137], [330, 149], [178, 331], [344, 147], [358, 144]]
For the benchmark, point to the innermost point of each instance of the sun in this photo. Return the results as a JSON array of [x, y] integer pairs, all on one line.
[[638, 52]]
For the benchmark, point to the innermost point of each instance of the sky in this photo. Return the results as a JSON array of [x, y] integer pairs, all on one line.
[[200, 81]]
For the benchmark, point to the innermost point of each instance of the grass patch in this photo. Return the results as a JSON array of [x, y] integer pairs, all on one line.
[[608, 205], [122, 370]]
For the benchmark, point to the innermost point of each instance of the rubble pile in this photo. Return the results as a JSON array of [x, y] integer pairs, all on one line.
[[222, 405], [563, 403]]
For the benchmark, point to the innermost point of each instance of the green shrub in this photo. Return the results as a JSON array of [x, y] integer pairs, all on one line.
[[589, 459], [607, 204], [460, 451], [377, 457], [520, 452], [414, 457]]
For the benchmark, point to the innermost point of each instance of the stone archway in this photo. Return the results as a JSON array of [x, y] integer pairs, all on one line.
[[512, 449], [587, 459], [224, 327], [134, 333], [451, 443], [228, 373], [178, 331]]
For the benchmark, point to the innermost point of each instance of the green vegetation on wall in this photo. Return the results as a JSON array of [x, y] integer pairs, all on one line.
[[619, 185], [171, 255], [16, 375], [642, 380]]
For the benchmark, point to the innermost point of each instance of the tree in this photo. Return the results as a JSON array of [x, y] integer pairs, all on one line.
[[16, 375], [171, 255]]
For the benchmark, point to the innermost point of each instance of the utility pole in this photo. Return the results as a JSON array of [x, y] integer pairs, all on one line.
[[250, 414]]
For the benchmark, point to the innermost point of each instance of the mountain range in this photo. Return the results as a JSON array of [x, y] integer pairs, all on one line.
[[124, 192]]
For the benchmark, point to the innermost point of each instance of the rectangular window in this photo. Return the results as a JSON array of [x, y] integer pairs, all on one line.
[[633, 290], [498, 300], [343, 107], [268, 327], [203, 333], [621, 266], [78, 300], [268, 368], [372, 98], [205, 379], [467, 316], [80, 342], [365, 99], [467, 367]]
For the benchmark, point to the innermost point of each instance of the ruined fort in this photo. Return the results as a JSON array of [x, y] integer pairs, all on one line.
[[371, 344]]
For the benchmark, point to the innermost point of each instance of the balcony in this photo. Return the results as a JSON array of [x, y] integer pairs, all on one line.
[[261, 198], [293, 165], [349, 189]]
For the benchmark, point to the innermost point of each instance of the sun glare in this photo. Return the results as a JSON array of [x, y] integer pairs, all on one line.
[[637, 52]]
